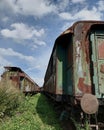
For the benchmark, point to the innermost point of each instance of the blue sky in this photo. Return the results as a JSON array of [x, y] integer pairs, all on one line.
[[28, 29]]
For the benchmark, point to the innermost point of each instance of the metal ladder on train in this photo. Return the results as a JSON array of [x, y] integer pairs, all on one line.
[[92, 126], [95, 125]]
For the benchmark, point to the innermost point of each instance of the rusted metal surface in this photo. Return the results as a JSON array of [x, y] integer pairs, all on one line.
[[97, 39], [79, 68], [102, 68], [82, 78], [20, 79], [82, 59], [85, 88], [101, 49], [50, 76], [82, 75], [89, 103]]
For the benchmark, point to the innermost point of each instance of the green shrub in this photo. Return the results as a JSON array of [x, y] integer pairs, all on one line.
[[10, 98], [35, 113]]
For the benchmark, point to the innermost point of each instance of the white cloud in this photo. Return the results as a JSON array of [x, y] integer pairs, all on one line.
[[83, 14], [35, 64], [39, 81], [32, 68], [40, 66], [39, 42], [10, 52], [5, 19], [78, 1], [36, 8], [101, 5], [9, 5], [40, 8], [66, 16], [66, 25], [62, 5], [3, 62], [1, 69], [20, 32]]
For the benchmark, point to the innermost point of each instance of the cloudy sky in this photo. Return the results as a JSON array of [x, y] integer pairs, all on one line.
[[28, 29]]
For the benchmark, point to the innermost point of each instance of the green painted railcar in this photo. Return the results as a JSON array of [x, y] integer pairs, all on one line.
[[76, 67]]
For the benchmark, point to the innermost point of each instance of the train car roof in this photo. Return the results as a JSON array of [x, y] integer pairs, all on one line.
[[80, 27], [12, 68], [85, 23]]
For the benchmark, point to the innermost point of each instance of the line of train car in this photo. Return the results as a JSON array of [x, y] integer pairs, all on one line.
[[20, 80], [75, 73]]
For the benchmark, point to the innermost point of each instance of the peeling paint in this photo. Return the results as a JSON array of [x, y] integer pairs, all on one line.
[[19, 79], [102, 68], [85, 71], [101, 49], [83, 87]]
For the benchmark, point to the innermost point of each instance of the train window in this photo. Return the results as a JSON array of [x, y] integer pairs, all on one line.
[[11, 77]]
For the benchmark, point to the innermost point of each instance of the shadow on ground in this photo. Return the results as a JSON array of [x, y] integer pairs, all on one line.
[[46, 113]]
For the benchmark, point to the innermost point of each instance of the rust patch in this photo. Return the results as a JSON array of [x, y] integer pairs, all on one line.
[[84, 74], [101, 50], [87, 51], [14, 78], [59, 91], [83, 87], [102, 68]]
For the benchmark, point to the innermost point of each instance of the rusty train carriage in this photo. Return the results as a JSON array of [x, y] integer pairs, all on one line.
[[76, 65], [20, 79]]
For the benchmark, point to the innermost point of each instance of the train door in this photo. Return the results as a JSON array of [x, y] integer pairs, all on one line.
[[69, 68], [64, 65], [97, 43]]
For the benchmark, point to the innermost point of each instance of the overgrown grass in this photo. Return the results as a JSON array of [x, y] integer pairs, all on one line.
[[33, 114], [10, 98], [79, 127], [26, 113]]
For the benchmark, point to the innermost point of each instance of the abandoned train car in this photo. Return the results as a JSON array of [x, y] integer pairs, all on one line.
[[75, 73], [19, 79]]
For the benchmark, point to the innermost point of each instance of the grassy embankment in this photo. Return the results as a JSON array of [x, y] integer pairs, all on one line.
[[26, 113], [18, 112]]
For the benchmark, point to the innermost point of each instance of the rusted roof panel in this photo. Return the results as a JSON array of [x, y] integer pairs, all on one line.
[[10, 68]]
